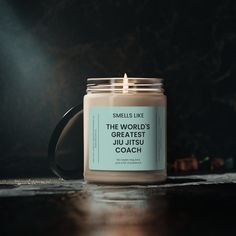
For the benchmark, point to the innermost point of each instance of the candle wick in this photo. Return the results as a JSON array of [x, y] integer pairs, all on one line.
[[125, 83]]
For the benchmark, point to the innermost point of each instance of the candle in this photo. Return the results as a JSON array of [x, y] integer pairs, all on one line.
[[124, 130]]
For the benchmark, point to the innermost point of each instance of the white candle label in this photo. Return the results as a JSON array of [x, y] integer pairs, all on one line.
[[127, 138]]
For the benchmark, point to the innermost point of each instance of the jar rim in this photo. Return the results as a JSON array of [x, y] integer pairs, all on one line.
[[146, 79], [120, 84]]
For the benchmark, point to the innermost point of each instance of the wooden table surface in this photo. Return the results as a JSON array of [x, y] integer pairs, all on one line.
[[190, 205]]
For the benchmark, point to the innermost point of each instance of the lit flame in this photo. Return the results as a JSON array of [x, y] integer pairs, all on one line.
[[125, 83]]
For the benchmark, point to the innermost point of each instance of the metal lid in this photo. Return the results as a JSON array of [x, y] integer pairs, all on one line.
[[65, 150]]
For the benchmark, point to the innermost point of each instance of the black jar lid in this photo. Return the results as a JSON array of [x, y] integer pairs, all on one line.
[[65, 150]]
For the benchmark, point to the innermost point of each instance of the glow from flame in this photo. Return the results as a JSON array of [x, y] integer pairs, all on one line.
[[125, 83]]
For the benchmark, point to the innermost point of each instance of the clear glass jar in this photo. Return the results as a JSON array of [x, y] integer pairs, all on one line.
[[124, 130]]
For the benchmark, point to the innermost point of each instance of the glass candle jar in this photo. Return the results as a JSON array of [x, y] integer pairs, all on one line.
[[124, 130]]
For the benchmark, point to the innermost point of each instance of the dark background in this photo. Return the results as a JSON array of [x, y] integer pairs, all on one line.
[[48, 48]]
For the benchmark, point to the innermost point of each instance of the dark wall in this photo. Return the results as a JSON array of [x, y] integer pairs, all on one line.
[[49, 47]]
